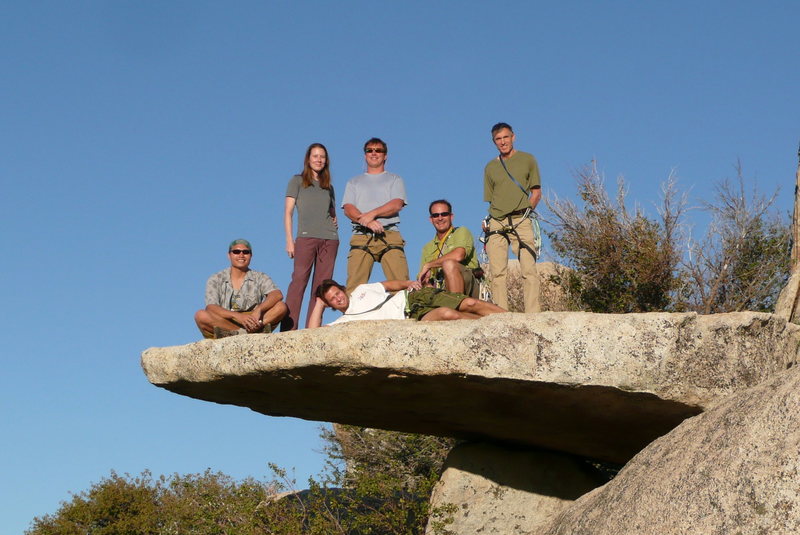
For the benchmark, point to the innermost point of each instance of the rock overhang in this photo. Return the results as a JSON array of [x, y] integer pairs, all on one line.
[[596, 385]]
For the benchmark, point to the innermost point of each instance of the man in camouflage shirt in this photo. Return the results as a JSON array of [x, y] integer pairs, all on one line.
[[240, 300]]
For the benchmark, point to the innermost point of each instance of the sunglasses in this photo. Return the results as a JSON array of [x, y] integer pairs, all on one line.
[[440, 214], [379, 151], [240, 251]]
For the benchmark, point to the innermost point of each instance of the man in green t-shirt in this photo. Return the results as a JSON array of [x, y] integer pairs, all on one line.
[[512, 187], [448, 260]]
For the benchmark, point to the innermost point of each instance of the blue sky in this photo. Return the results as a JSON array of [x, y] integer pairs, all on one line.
[[139, 137]]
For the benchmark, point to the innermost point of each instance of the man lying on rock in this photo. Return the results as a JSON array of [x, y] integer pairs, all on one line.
[[378, 301]]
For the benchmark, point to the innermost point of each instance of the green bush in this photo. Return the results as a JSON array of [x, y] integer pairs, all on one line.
[[621, 261], [627, 262], [204, 504], [743, 261], [377, 482]]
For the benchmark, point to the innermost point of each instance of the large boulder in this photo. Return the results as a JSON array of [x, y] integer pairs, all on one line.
[[734, 470], [551, 286], [786, 306], [595, 385], [506, 490]]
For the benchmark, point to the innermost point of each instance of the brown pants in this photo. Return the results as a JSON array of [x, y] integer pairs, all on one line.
[[309, 253]]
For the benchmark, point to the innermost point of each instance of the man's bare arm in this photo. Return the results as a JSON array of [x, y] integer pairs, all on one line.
[[225, 313], [369, 219], [391, 208], [316, 315], [396, 286], [269, 301], [246, 319], [351, 212], [458, 254], [536, 196]]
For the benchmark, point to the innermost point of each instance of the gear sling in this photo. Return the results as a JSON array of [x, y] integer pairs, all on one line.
[[510, 228], [360, 229]]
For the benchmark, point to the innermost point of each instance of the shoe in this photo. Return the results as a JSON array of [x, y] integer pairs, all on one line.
[[267, 329], [222, 333]]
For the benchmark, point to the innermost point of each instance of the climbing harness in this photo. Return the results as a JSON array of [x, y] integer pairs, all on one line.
[[510, 228], [360, 229]]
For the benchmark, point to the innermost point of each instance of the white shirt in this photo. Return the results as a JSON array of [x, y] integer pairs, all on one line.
[[373, 302]]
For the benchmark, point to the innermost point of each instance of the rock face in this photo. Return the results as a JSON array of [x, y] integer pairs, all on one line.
[[595, 385], [786, 306], [732, 470], [552, 295], [505, 490]]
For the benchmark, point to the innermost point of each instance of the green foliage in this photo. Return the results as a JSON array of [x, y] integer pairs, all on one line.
[[377, 482], [204, 504], [621, 261], [115, 505], [626, 262], [743, 261], [211, 504]]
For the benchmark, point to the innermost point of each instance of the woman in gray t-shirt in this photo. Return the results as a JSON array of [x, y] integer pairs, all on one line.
[[317, 243]]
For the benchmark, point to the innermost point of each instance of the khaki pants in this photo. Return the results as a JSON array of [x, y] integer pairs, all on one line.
[[359, 261], [497, 250]]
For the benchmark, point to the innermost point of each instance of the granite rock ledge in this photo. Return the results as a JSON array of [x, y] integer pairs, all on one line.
[[595, 385]]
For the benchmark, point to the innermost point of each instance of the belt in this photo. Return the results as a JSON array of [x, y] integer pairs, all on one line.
[[515, 212], [361, 229]]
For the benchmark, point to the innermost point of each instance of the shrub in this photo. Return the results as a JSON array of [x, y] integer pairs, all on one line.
[[743, 260], [627, 262], [377, 482], [621, 261]]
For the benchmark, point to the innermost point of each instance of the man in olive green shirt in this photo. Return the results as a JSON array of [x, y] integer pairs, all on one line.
[[510, 200], [448, 260]]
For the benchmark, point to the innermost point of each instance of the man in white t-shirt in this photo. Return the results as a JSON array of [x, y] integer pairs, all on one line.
[[377, 301]]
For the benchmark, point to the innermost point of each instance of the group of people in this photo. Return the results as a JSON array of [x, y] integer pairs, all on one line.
[[241, 300]]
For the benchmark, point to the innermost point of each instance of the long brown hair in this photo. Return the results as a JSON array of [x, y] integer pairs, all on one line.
[[324, 175]]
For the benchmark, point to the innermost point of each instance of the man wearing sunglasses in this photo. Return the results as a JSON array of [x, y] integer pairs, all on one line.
[[373, 201], [240, 300], [449, 259], [512, 187]]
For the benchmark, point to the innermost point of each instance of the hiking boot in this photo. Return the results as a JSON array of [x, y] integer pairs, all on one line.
[[222, 333]]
